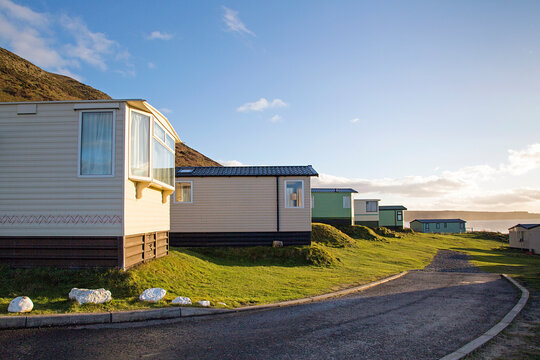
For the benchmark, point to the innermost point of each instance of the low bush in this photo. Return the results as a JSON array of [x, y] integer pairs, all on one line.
[[360, 232], [382, 231], [330, 236]]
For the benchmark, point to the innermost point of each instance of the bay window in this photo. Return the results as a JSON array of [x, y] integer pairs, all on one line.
[[157, 169], [96, 151]]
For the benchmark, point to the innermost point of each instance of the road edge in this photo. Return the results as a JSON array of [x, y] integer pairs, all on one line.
[[76, 319], [495, 330]]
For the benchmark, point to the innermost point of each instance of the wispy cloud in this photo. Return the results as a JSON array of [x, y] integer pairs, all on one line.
[[165, 111], [151, 65], [158, 35], [276, 118], [34, 36], [233, 22], [261, 105], [355, 120]]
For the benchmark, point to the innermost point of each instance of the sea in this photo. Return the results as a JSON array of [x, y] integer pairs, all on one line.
[[495, 225]]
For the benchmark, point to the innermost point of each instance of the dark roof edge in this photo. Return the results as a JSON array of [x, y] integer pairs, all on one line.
[[525, 226], [438, 220]]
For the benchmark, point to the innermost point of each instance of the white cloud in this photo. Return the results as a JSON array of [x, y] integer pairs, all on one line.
[[159, 36], [165, 111], [233, 22], [231, 163], [355, 120], [35, 37], [465, 188], [261, 105], [151, 65], [276, 118]]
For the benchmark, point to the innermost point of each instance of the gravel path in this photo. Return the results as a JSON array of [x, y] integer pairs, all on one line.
[[451, 261]]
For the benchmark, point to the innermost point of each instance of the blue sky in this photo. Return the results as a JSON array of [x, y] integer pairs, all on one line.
[[430, 104]]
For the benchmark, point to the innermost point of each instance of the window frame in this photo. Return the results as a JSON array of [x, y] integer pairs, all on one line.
[[427, 226], [438, 225], [137, 177], [113, 154], [150, 179], [376, 206], [349, 201], [174, 193], [285, 194], [399, 215]]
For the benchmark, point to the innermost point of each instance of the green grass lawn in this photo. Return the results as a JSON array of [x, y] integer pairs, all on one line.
[[245, 276]]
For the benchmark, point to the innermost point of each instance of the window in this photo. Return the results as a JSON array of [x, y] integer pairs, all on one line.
[[140, 145], [183, 192], [427, 226], [445, 225], [96, 139], [346, 202], [521, 236], [371, 206], [438, 226], [294, 194], [462, 226], [399, 215], [158, 167], [162, 157]]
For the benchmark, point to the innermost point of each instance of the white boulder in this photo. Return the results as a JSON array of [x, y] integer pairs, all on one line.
[[182, 300], [153, 295], [21, 304], [204, 303], [90, 296]]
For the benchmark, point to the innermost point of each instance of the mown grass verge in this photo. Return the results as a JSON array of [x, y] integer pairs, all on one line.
[[245, 276]]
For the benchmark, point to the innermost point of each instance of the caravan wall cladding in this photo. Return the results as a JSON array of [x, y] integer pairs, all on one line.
[[56, 211]]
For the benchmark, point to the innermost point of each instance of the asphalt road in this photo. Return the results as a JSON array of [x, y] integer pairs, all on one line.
[[423, 315]]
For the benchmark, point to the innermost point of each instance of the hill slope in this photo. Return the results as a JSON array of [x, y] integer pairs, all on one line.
[[20, 80], [186, 156]]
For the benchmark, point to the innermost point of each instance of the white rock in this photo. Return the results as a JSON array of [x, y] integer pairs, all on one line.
[[20, 304], [90, 296], [204, 303], [182, 300], [153, 295], [222, 303]]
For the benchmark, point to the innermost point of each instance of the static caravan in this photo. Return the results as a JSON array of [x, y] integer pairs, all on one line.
[[436, 226], [241, 206], [334, 206], [391, 216], [525, 236], [366, 212], [84, 183]]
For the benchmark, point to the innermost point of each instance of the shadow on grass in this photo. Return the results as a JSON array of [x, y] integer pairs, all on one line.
[[288, 256], [513, 262]]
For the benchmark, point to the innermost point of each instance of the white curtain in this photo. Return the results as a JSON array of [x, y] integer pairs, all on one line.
[[294, 193], [96, 143], [139, 146], [163, 164]]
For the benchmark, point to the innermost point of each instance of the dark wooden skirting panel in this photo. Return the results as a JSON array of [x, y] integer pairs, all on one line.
[[142, 248], [372, 224], [239, 238], [60, 251], [333, 221]]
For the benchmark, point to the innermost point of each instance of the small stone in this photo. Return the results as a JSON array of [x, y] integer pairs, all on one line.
[[182, 300], [277, 243], [204, 303], [222, 303], [90, 296], [21, 304], [153, 295]]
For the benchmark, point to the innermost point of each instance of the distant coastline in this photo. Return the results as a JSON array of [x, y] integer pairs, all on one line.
[[471, 215]]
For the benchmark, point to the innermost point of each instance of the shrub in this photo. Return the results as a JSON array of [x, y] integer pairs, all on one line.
[[360, 232], [330, 236], [381, 230]]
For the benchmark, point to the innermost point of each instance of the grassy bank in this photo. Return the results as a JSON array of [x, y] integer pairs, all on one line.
[[243, 276]]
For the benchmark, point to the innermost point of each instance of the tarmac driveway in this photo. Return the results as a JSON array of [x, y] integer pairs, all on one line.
[[423, 315]]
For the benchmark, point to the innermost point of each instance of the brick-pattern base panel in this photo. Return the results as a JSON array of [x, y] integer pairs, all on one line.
[[61, 251], [239, 238], [142, 248]]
